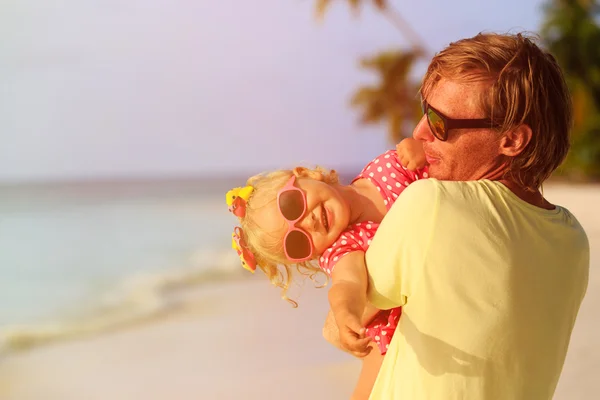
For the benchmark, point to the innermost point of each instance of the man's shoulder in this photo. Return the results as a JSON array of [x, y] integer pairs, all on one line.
[[419, 198], [421, 187], [431, 188], [432, 193], [456, 190]]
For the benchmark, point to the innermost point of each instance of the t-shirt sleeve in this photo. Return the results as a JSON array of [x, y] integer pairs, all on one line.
[[398, 251]]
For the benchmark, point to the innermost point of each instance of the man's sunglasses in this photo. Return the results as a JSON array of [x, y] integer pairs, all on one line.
[[441, 124]]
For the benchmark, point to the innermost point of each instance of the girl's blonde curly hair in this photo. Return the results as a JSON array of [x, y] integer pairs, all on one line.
[[268, 249]]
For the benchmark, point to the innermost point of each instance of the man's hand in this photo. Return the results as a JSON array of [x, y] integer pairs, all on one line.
[[352, 335], [411, 154]]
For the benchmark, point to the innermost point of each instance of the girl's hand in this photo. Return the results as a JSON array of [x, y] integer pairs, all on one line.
[[411, 154], [352, 335]]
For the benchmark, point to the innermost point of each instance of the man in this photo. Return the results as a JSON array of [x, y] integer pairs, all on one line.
[[490, 274]]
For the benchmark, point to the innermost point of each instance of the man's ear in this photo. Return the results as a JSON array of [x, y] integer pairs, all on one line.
[[302, 172], [515, 141]]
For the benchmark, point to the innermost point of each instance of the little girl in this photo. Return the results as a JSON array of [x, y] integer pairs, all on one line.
[[303, 216]]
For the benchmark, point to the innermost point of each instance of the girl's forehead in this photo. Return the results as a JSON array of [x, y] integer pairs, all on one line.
[[269, 219], [307, 184]]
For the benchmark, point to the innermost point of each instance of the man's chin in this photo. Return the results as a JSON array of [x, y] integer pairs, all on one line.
[[435, 172]]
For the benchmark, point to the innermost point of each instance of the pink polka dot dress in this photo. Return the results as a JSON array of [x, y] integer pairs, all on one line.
[[390, 178]]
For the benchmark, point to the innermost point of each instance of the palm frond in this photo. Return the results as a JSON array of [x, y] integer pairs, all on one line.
[[355, 5], [393, 99]]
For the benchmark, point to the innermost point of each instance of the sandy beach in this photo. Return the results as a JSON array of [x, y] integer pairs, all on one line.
[[238, 340]]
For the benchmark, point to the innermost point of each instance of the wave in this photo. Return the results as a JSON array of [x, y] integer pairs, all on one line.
[[138, 298]]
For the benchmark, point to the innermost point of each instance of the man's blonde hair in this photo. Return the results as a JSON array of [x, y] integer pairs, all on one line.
[[526, 87], [268, 249]]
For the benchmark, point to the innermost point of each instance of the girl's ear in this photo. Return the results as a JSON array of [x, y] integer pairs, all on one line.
[[302, 172]]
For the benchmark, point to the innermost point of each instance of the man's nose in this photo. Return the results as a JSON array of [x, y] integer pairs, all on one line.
[[422, 131]]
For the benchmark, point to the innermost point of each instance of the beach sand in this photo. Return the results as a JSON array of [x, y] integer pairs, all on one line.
[[235, 340], [238, 340]]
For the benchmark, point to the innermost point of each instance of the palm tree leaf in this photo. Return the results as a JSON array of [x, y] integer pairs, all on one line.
[[394, 98], [354, 4], [571, 32], [395, 126], [373, 113], [364, 95], [321, 8], [380, 4]]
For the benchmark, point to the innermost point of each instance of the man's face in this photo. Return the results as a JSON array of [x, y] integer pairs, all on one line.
[[468, 154]]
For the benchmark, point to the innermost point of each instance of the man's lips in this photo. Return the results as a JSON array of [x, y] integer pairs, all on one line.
[[431, 159]]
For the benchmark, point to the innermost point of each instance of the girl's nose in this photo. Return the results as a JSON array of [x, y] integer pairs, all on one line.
[[309, 222]]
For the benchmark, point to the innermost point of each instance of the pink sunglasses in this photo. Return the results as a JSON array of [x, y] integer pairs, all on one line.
[[291, 202]]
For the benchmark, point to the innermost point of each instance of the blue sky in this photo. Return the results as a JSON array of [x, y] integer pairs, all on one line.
[[158, 88]]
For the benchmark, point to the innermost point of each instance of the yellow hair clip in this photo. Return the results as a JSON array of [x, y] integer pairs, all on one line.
[[237, 198]]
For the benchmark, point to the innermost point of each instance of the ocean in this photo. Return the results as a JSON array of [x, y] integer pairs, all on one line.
[[74, 252]]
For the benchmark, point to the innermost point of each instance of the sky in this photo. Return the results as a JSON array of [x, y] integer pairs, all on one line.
[[105, 89]]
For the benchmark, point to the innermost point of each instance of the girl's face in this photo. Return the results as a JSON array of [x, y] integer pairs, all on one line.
[[327, 215]]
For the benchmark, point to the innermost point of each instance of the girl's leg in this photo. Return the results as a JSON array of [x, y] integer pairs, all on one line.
[[368, 374]]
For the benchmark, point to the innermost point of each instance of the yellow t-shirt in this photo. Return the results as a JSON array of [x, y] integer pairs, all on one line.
[[490, 285]]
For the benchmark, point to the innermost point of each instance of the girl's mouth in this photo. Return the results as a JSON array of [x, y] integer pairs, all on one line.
[[324, 220]]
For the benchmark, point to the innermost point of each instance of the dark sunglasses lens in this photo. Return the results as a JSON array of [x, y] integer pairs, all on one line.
[[297, 244], [291, 204], [437, 125]]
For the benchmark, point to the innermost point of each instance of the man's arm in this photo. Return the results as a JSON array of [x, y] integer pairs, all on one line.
[[397, 252]]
